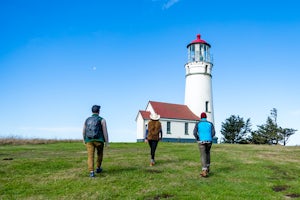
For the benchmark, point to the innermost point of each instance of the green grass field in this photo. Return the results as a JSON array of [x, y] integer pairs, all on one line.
[[59, 171]]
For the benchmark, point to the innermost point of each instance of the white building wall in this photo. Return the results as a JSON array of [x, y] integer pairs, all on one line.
[[150, 109], [141, 128], [177, 128]]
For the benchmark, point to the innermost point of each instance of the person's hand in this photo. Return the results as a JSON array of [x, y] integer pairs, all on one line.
[[106, 144], [84, 142], [146, 141]]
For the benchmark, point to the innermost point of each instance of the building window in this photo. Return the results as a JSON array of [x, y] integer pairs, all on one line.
[[186, 128], [168, 127], [206, 106]]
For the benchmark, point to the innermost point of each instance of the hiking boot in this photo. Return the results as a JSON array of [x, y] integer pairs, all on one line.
[[204, 173], [152, 162], [92, 174], [99, 170]]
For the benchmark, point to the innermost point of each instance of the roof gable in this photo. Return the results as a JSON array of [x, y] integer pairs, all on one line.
[[145, 114], [172, 111]]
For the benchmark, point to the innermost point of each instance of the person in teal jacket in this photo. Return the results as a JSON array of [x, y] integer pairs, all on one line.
[[94, 137], [204, 132]]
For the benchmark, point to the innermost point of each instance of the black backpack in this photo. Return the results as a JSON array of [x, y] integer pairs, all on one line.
[[93, 127]]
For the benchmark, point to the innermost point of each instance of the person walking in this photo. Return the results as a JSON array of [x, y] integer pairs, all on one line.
[[154, 135], [204, 131], [94, 137]]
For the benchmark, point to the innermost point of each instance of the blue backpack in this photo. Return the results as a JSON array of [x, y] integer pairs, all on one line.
[[93, 127]]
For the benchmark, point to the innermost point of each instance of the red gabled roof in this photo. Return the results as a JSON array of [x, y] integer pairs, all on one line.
[[145, 114], [173, 111]]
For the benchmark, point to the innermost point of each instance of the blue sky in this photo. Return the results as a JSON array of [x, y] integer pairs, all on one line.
[[58, 58]]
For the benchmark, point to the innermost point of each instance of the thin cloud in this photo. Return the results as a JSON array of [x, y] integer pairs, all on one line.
[[169, 3]]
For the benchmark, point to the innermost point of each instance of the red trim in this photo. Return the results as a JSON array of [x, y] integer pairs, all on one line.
[[198, 40]]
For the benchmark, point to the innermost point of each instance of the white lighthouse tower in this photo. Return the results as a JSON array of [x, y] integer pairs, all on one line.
[[198, 84]]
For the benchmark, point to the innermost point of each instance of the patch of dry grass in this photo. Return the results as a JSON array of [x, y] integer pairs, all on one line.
[[21, 141]]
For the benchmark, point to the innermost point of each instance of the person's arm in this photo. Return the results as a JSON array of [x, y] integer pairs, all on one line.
[[161, 134], [195, 132], [83, 133], [213, 132], [146, 135], [104, 129]]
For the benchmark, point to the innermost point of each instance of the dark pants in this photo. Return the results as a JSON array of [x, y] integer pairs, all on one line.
[[205, 154], [153, 145]]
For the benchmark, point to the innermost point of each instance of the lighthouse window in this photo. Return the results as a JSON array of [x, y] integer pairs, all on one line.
[[201, 52], [168, 127], [205, 53], [191, 53], [197, 52], [206, 106]]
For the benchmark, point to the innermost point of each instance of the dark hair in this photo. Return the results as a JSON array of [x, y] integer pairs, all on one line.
[[96, 108]]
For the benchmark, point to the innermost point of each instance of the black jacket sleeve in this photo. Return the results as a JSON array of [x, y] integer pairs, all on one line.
[[195, 132]]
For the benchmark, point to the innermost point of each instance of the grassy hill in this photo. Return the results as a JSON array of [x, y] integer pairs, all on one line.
[[59, 171]]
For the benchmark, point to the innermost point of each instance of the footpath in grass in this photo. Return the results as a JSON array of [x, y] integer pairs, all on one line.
[[59, 171]]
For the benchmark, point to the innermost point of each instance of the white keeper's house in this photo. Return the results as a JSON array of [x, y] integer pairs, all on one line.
[[178, 120]]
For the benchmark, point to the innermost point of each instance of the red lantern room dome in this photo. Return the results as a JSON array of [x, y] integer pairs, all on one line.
[[198, 40]]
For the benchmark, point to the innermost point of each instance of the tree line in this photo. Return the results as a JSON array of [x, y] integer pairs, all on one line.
[[236, 130]]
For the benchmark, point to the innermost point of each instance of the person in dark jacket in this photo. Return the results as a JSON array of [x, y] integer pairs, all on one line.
[[204, 132], [95, 125]]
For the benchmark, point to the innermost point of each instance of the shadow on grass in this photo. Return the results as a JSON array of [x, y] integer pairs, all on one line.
[[162, 196], [153, 171], [117, 171], [279, 173], [167, 162]]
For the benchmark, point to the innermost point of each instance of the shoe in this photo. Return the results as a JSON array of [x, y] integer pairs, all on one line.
[[204, 173], [99, 170], [92, 174], [152, 164]]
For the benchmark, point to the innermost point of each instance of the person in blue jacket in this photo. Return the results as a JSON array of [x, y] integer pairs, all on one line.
[[204, 132]]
